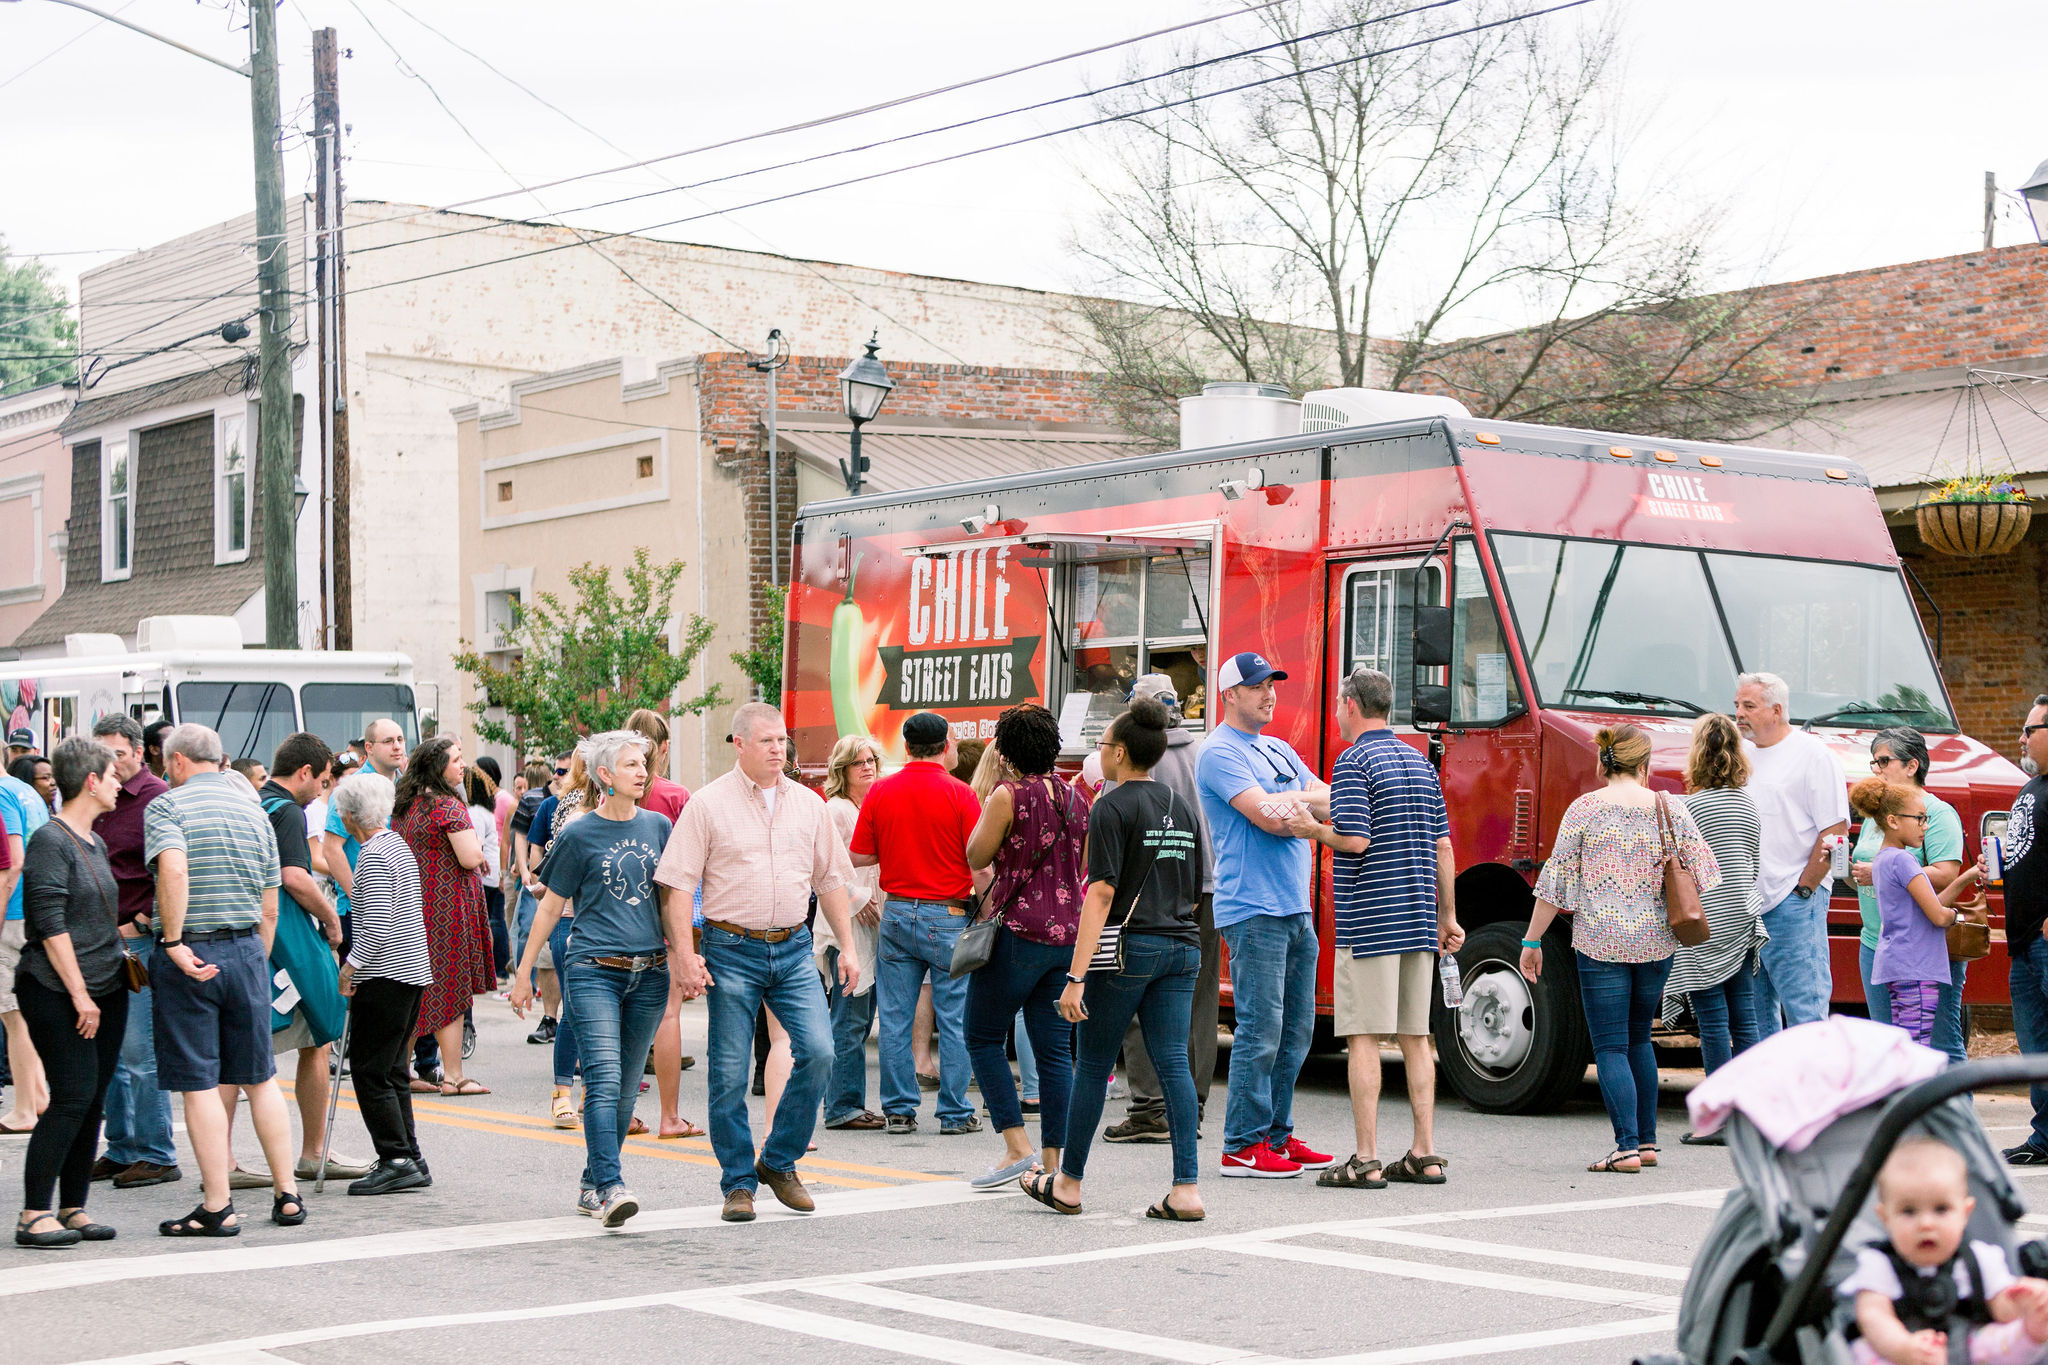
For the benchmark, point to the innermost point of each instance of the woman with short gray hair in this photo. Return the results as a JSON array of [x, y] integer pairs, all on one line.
[[387, 971], [73, 994]]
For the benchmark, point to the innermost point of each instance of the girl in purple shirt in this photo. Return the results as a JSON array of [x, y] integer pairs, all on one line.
[[1912, 936]]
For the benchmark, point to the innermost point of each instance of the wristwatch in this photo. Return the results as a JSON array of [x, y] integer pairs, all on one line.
[[1077, 980]]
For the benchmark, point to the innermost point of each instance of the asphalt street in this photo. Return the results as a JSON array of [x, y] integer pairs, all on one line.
[[1523, 1256]]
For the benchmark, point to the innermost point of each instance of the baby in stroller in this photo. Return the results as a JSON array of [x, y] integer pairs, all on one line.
[[1908, 1287]]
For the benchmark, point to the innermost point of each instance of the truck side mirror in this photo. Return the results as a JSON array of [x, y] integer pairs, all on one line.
[[1432, 638], [1431, 705]]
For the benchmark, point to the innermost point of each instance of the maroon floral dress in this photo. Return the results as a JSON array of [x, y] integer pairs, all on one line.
[[1039, 872], [452, 897]]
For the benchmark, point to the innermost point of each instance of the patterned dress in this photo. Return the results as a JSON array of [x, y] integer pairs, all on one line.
[[452, 900], [1040, 874], [1607, 871]]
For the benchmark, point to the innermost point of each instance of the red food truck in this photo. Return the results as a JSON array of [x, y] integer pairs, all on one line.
[[1523, 585]]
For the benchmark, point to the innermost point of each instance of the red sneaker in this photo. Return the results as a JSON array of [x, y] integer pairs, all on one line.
[[1305, 1156], [1259, 1162]]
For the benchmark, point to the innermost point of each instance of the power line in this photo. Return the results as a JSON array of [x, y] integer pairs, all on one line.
[[994, 147], [66, 43], [895, 103], [928, 132], [408, 69], [744, 227]]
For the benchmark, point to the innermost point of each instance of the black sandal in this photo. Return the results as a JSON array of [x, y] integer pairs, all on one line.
[[283, 1219], [1168, 1213], [203, 1222], [1353, 1175], [1414, 1170], [88, 1230], [25, 1234], [1038, 1185]]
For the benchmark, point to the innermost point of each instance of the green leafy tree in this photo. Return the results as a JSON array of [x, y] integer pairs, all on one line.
[[585, 667], [763, 663], [38, 334]]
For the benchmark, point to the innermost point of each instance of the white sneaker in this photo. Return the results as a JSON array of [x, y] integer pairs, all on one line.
[[619, 1205]]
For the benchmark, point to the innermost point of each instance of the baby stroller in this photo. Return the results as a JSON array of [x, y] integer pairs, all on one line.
[[1761, 1291]]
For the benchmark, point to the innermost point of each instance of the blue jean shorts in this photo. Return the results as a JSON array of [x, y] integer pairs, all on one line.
[[214, 1032]]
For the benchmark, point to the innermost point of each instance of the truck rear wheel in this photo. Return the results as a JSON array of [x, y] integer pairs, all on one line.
[[1514, 1046]]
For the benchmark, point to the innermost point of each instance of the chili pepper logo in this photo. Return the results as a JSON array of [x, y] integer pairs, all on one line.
[[847, 630]]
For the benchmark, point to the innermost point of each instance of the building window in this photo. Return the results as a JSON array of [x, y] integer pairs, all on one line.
[[505, 490], [231, 489], [117, 522], [646, 466], [501, 613]]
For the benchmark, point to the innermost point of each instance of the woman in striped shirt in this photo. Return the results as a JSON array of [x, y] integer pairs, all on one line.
[[386, 974], [1718, 976]]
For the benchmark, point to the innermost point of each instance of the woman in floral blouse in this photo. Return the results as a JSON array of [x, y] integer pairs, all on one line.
[[1607, 870], [1033, 831]]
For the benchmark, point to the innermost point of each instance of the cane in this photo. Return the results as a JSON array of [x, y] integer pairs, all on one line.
[[334, 1099]]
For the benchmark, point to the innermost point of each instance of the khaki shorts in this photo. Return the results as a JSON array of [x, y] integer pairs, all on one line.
[[293, 1036], [1382, 995], [13, 938]]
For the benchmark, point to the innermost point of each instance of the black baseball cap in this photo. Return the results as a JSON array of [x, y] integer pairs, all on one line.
[[21, 737], [925, 729]]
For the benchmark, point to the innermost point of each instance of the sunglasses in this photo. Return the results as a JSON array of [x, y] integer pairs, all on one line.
[[2027, 731]]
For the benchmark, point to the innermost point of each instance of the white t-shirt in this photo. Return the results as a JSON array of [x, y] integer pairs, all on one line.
[[1874, 1272], [487, 834], [1799, 790], [768, 800]]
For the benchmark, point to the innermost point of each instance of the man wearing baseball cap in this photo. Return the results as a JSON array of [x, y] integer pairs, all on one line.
[[21, 741], [915, 824], [1263, 806]]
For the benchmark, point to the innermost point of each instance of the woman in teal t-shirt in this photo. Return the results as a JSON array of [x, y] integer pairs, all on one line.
[[1900, 755]]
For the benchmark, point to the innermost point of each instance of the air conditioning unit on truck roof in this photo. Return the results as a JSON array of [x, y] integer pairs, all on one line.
[[1328, 409]]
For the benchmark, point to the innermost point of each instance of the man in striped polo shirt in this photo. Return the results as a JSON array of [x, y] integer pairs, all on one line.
[[1395, 908], [217, 876]]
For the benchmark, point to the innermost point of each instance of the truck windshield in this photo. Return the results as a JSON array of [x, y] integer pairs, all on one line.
[[340, 712], [1650, 628]]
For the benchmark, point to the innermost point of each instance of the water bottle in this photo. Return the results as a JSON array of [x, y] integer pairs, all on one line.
[[1453, 979], [1994, 859]]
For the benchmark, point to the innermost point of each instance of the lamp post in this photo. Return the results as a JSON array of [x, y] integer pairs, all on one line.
[[863, 386]]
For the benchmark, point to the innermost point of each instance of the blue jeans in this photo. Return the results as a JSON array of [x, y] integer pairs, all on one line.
[[2030, 1020], [1273, 982], [1029, 976], [1948, 1017], [620, 1011], [522, 921], [852, 1017], [746, 974], [1027, 1060], [1796, 973], [1157, 984], [917, 941], [1621, 1001], [565, 1025], [138, 1115], [1726, 1016]]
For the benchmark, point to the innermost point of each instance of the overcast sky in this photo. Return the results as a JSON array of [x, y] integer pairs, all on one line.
[[1840, 135]]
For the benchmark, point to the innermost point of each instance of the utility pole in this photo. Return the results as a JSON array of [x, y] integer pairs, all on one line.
[[1990, 205], [338, 629], [276, 463]]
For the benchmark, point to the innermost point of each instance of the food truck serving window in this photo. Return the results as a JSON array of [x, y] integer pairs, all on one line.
[[1655, 629], [1133, 616]]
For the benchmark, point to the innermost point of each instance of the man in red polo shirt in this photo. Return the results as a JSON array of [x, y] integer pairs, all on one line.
[[915, 824]]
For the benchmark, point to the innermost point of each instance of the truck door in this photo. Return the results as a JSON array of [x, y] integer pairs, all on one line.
[[1489, 765]]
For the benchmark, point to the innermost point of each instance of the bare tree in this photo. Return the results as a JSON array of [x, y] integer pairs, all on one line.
[[1432, 201]]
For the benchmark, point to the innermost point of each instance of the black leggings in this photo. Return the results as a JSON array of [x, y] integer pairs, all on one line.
[[382, 1014], [67, 1136]]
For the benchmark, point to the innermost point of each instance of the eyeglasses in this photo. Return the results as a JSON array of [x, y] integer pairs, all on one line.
[[1923, 817], [2027, 731], [1882, 761]]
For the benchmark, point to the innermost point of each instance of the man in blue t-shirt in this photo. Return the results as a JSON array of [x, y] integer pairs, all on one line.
[[1393, 873], [1263, 807], [23, 811]]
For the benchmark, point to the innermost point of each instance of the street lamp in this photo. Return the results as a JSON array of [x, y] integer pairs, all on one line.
[[863, 387], [2035, 192], [299, 495]]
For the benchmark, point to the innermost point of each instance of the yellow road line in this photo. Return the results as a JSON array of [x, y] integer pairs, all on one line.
[[664, 1147], [564, 1139]]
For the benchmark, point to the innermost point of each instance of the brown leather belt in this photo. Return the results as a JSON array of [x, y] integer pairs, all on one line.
[[644, 962], [760, 935]]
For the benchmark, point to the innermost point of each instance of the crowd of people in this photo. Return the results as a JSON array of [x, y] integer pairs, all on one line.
[[177, 921]]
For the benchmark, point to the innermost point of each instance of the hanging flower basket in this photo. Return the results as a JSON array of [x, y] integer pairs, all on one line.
[[1975, 517]]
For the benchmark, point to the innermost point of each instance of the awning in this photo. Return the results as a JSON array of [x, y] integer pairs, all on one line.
[[1895, 428], [912, 453]]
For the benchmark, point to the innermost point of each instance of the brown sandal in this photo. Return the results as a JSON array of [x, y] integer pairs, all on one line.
[[1413, 1169], [1353, 1175]]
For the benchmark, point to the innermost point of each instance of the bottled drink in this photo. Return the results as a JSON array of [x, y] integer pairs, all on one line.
[[1453, 979]]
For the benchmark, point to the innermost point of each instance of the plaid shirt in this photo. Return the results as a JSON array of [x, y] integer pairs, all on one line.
[[757, 871]]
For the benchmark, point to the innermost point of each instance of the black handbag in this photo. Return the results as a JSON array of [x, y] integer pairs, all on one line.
[[977, 942]]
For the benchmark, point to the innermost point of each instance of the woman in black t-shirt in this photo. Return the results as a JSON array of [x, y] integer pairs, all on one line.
[[1144, 877]]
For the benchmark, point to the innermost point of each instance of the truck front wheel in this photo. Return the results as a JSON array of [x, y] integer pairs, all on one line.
[[1514, 1046]]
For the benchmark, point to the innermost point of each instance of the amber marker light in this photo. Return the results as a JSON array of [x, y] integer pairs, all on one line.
[[1711, 461], [1486, 438], [1621, 452], [1837, 473], [1665, 456]]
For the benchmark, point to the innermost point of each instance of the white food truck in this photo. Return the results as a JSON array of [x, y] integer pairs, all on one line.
[[194, 668]]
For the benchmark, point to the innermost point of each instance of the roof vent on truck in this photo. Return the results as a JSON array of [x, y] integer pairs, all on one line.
[[159, 634], [1329, 409]]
